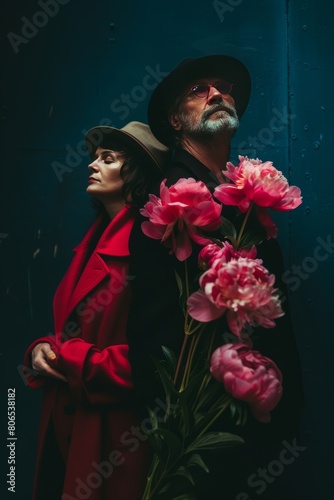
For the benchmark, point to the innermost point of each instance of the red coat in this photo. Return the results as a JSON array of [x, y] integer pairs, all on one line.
[[89, 422]]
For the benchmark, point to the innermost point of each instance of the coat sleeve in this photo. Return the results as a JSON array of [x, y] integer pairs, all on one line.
[[95, 376]]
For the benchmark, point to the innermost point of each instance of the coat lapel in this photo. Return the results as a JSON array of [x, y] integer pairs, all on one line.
[[89, 268], [96, 270]]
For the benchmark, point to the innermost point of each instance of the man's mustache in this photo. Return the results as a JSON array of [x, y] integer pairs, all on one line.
[[220, 107]]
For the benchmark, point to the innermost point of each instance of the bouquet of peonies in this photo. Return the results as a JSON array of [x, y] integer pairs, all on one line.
[[211, 378]]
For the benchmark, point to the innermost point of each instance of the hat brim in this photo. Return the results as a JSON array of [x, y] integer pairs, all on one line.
[[99, 136], [165, 94]]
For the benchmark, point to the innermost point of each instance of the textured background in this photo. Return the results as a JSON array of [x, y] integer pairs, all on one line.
[[84, 63]]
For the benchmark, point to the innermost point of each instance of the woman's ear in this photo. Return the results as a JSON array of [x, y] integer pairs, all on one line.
[[174, 121]]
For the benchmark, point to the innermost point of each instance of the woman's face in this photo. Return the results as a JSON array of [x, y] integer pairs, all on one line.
[[105, 182]]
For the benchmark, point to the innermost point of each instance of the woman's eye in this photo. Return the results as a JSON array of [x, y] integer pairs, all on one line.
[[108, 159]]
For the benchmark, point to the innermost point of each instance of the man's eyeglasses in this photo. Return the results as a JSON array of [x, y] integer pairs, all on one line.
[[203, 90]]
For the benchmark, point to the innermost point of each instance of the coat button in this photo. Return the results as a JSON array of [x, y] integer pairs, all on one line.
[[69, 409]]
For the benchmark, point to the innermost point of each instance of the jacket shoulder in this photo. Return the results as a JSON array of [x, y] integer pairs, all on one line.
[[176, 171]]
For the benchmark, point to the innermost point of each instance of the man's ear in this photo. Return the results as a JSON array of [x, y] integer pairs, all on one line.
[[174, 121]]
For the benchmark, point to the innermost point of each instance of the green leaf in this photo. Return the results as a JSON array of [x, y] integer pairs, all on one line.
[[239, 411], [197, 460], [243, 414], [209, 396], [250, 238], [165, 376], [182, 496], [184, 472], [228, 229], [233, 409], [214, 441], [170, 358], [191, 391], [153, 419], [186, 415], [155, 442], [171, 444], [164, 488], [206, 417], [167, 382], [179, 283]]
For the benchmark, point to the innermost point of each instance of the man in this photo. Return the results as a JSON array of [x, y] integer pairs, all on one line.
[[196, 110], [187, 110]]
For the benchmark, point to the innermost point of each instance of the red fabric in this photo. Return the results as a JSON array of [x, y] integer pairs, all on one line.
[[93, 409]]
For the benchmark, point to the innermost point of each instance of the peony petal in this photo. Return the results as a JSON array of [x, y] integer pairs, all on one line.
[[265, 418], [267, 222], [258, 182], [228, 194], [152, 230], [202, 309], [291, 200], [248, 376], [197, 238], [183, 246]]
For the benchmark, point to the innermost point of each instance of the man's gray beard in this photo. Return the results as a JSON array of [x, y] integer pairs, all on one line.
[[224, 127]]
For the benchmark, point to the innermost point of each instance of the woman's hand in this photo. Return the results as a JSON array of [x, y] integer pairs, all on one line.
[[42, 357]]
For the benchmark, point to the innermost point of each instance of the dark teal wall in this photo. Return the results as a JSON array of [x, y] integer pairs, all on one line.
[[95, 62]]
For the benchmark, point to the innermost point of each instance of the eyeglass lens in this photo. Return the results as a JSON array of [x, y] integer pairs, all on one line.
[[203, 90]]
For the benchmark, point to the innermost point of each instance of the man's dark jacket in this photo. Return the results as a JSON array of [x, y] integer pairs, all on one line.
[[263, 442]]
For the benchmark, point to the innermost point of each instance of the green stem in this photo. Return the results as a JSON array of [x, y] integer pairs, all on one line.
[[218, 402], [191, 354], [244, 224], [211, 344], [187, 327], [147, 492], [190, 332], [207, 378], [186, 277], [185, 340], [204, 384], [165, 473], [223, 408], [187, 365], [148, 488]]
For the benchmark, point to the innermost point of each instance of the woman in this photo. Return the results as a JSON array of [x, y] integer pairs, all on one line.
[[92, 441]]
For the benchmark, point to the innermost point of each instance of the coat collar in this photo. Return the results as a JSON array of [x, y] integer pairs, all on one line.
[[89, 266], [114, 234], [196, 168]]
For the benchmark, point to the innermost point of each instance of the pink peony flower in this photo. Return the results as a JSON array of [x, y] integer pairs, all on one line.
[[226, 252], [262, 184], [177, 216], [242, 288], [249, 376]]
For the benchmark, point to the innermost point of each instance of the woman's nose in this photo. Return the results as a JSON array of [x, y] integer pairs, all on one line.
[[93, 165]]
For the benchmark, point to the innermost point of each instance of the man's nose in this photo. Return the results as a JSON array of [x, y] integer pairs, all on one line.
[[214, 95]]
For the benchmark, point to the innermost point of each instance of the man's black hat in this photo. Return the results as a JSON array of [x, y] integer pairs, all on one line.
[[186, 73]]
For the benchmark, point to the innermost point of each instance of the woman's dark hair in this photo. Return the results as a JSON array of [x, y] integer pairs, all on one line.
[[138, 172], [139, 175]]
